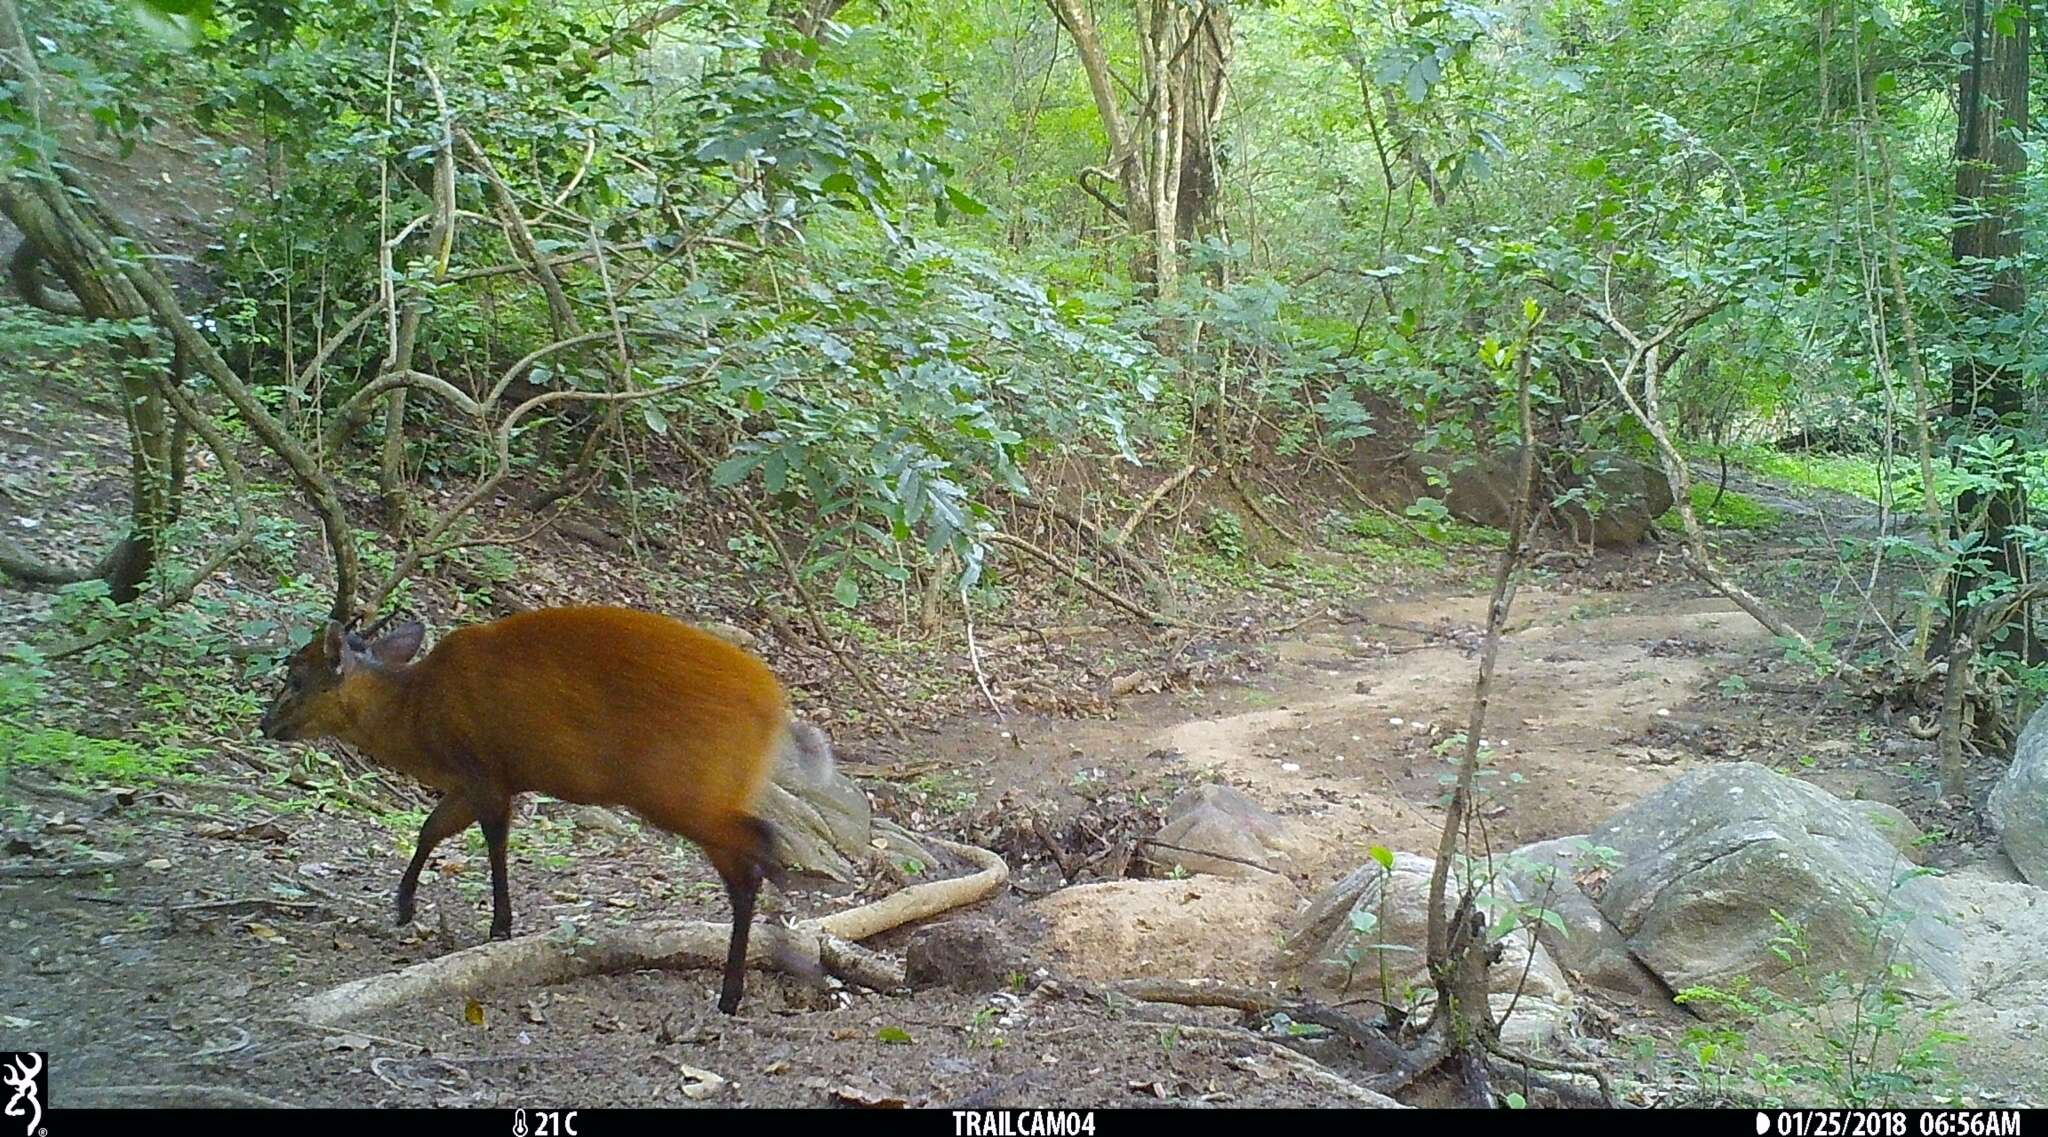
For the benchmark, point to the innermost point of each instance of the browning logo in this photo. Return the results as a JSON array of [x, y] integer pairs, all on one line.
[[23, 1074]]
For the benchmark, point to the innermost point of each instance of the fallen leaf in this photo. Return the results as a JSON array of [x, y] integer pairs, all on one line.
[[266, 933], [894, 1034], [157, 864], [473, 1013]]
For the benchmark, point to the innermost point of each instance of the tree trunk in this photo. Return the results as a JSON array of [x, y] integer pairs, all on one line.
[[57, 212], [804, 17], [48, 215], [1989, 398], [1207, 86], [1163, 156]]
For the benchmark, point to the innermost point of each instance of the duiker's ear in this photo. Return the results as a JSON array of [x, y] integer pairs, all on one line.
[[399, 644]]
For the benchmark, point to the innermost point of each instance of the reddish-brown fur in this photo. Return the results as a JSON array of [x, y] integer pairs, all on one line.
[[605, 706]]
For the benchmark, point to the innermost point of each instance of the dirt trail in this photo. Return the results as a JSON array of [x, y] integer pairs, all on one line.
[[1349, 728], [1358, 745]]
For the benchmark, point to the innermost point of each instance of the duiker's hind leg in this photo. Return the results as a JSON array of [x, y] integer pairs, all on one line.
[[741, 865]]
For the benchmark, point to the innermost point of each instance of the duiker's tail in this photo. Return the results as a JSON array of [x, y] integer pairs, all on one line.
[[806, 747]]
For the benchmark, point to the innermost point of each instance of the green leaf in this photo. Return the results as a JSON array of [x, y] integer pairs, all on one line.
[[965, 202], [1383, 855], [895, 1034], [735, 469], [846, 590]]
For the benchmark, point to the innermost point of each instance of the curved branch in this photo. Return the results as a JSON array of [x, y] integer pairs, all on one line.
[[502, 443]]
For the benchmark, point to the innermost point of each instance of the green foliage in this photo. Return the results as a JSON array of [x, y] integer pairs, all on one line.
[[1837, 1039], [1844, 473]]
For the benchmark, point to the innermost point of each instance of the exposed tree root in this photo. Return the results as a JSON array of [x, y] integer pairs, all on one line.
[[1583, 1069], [1259, 511], [918, 902], [1382, 1053], [809, 947], [1155, 584], [1091, 584], [1151, 502]]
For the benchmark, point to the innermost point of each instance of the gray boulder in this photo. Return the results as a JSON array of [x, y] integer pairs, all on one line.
[[827, 828], [1588, 947], [1706, 861], [1217, 830], [1368, 934], [1892, 823], [2018, 806], [1612, 500]]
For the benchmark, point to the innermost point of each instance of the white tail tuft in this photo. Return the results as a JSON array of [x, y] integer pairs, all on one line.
[[811, 752]]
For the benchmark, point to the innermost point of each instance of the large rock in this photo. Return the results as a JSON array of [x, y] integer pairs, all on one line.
[[2006, 1018], [1609, 497], [827, 828], [1706, 862], [2018, 806], [1336, 960], [1217, 830], [1588, 947], [1892, 823]]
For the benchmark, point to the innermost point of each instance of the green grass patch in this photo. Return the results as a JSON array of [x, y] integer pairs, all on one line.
[[1732, 511], [1858, 475], [1421, 530], [1420, 542], [73, 757]]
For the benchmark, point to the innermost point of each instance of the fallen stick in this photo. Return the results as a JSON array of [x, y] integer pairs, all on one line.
[[62, 868], [1152, 501], [822, 943]]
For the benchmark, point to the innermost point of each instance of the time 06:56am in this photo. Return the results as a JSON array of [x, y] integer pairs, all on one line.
[[1891, 1123]]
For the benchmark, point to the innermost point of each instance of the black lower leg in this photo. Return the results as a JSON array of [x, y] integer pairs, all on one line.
[[451, 816], [742, 893], [497, 827]]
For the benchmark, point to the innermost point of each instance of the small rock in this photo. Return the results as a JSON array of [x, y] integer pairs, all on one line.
[[970, 956], [733, 634]]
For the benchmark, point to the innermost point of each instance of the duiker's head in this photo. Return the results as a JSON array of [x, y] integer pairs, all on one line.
[[316, 701]]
